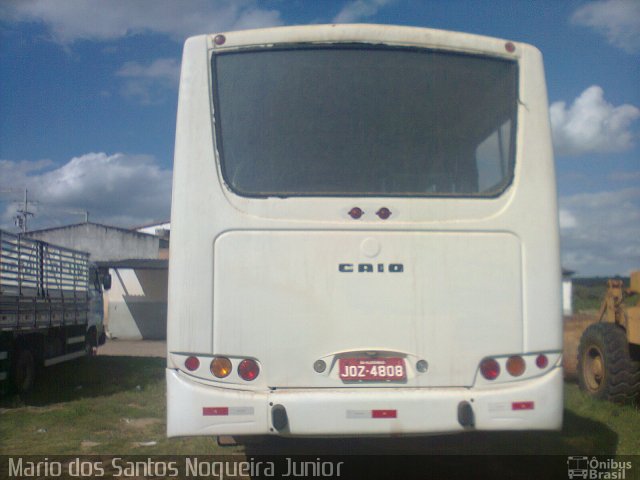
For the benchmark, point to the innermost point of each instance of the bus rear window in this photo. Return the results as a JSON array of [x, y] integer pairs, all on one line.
[[364, 121]]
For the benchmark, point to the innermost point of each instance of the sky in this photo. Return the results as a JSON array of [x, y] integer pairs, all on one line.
[[88, 96]]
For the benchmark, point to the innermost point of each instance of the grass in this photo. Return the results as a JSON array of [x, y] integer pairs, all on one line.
[[617, 427], [587, 298], [116, 405], [105, 405], [588, 294]]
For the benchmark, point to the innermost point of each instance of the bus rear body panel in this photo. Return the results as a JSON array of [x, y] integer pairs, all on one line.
[[388, 262], [290, 298]]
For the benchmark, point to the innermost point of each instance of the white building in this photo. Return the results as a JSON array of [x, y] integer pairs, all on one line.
[[567, 292], [136, 304], [137, 301]]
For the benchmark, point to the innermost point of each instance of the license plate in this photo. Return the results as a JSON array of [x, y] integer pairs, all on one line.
[[371, 369]]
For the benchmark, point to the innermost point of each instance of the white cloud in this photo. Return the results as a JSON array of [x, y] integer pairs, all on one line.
[[117, 189], [567, 220], [11, 171], [71, 20], [359, 10], [145, 82], [592, 125], [600, 232], [617, 20], [167, 69]]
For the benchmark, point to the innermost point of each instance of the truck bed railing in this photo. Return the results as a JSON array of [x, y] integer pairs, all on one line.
[[41, 284]]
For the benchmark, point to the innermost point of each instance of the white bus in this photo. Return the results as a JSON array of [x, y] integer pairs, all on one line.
[[364, 236]]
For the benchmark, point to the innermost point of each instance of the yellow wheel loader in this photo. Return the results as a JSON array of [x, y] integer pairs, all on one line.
[[609, 351]]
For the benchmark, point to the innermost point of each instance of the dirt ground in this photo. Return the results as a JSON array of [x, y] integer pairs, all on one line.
[[134, 348], [573, 328]]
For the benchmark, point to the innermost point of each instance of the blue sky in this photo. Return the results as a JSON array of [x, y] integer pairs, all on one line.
[[88, 93]]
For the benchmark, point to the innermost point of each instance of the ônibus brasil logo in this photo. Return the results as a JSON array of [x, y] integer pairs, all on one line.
[[595, 468]]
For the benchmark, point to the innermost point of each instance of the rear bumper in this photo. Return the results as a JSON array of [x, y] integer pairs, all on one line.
[[194, 408]]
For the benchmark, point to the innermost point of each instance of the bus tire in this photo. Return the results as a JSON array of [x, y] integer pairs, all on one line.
[[24, 371], [606, 370]]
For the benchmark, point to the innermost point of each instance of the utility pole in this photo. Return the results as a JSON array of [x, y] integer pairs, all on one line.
[[22, 219]]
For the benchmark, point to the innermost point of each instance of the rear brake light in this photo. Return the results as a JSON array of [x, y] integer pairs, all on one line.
[[542, 361], [515, 365], [192, 363], [489, 368], [248, 369], [221, 367]]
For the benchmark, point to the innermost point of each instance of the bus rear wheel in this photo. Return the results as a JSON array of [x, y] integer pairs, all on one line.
[[606, 370]]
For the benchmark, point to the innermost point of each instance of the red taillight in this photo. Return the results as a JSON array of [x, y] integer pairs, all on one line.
[[542, 361], [510, 47], [489, 368], [248, 369], [192, 363], [515, 365], [219, 39]]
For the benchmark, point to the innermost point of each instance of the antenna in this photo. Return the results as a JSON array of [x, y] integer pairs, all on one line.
[[22, 219], [76, 211]]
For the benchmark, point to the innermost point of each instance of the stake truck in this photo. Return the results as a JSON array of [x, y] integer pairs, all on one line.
[[50, 307]]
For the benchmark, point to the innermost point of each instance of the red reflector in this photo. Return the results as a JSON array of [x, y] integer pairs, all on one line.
[[542, 361], [522, 406], [192, 363], [212, 411], [384, 413]]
